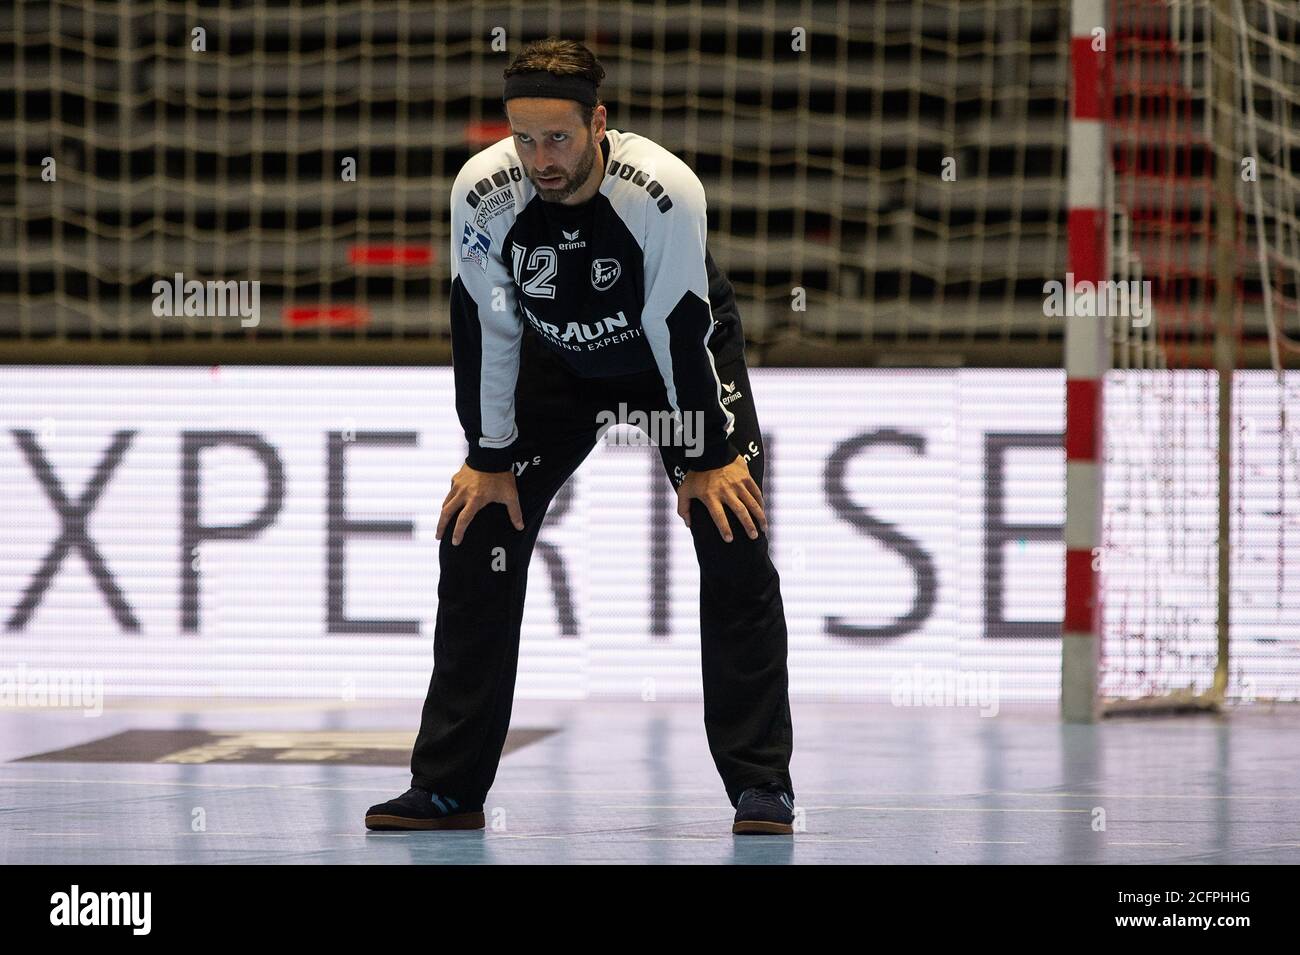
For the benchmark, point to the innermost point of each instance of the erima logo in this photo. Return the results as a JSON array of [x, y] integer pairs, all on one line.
[[573, 242], [732, 393], [604, 273], [103, 908]]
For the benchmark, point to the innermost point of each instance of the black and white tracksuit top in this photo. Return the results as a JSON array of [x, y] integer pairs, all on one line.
[[618, 285]]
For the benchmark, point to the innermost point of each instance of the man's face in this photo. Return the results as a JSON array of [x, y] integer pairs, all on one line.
[[556, 148]]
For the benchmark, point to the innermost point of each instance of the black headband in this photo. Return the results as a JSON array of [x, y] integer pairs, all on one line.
[[549, 86]]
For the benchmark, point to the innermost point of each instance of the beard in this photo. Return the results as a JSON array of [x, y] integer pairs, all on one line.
[[571, 182]]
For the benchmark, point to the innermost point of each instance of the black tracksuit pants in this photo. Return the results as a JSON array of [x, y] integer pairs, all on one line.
[[480, 609]]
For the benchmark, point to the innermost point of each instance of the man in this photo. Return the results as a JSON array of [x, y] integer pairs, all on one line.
[[581, 285]]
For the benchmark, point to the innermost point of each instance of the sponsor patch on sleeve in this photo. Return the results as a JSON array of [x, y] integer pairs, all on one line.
[[474, 246], [493, 205]]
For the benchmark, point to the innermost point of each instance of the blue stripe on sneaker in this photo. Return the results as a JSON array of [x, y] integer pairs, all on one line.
[[439, 803], [454, 804]]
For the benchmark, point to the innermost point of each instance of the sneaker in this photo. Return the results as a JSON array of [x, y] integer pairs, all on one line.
[[420, 809], [764, 810]]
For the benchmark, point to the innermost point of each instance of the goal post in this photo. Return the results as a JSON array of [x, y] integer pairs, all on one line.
[[1180, 508], [1087, 357]]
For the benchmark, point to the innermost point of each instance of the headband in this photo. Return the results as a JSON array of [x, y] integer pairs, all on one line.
[[547, 85]]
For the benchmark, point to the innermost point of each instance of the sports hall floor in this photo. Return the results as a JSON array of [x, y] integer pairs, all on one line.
[[225, 781]]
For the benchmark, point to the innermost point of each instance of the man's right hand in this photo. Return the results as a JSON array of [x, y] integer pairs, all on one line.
[[471, 491]]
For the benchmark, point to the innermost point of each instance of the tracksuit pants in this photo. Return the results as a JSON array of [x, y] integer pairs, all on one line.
[[480, 606]]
